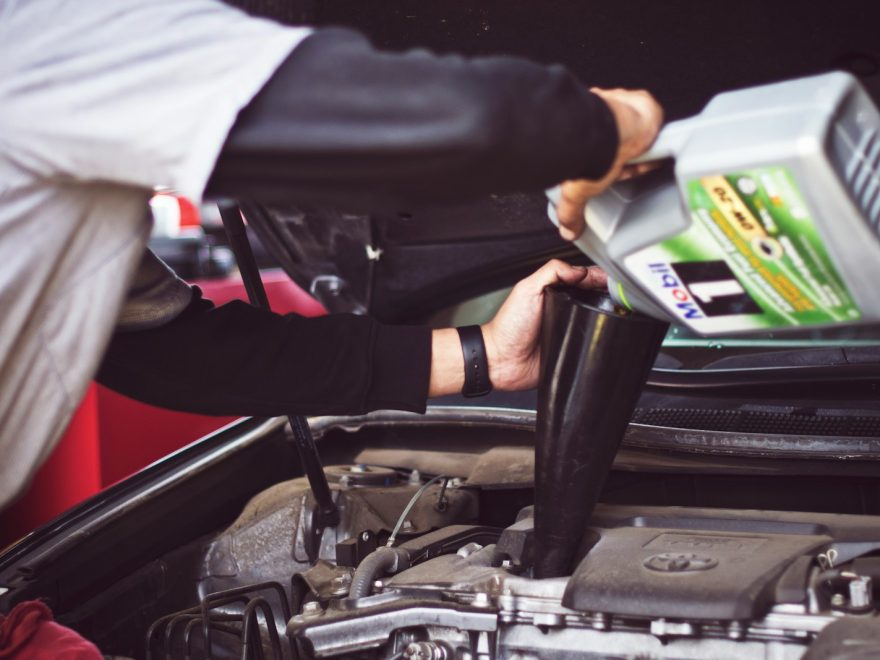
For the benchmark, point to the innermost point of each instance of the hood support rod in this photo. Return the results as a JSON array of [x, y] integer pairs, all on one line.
[[325, 514]]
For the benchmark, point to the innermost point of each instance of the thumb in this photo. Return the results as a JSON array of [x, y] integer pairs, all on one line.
[[594, 278], [560, 272], [557, 271]]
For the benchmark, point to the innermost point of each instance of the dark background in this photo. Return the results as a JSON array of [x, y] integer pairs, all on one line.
[[683, 50]]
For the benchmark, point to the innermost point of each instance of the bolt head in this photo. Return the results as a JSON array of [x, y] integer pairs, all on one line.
[[312, 608], [481, 599], [735, 630], [600, 621]]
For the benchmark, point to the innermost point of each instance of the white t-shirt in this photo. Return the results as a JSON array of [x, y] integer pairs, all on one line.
[[100, 101]]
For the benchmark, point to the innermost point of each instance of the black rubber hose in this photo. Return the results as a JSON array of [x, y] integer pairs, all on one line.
[[380, 561]]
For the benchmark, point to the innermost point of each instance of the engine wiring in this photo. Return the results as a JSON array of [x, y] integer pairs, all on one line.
[[410, 505]]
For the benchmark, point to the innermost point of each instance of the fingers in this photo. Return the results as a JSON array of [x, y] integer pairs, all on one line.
[[570, 210], [595, 278], [638, 169], [571, 219], [638, 117], [584, 278], [557, 271], [553, 272], [640, 100]]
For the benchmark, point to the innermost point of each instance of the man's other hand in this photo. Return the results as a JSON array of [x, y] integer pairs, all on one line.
[[513, 337], [639, 118]]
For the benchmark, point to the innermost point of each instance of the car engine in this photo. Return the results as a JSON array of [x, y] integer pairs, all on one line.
[[653, 582]]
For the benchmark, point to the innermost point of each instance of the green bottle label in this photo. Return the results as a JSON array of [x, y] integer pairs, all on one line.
[[751, 260]]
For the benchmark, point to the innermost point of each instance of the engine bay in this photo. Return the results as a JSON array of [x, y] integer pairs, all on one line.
[[676, 582], [672, 565]]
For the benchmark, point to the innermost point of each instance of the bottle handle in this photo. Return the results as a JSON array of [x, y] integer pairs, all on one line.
[[669, 143]]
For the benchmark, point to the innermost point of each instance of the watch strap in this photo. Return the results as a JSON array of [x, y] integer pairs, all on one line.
[[476, 363]]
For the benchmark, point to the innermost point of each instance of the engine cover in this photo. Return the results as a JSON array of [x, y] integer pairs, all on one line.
[[692, 574]]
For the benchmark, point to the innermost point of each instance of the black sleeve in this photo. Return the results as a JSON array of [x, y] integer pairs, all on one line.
[[239, 360], [341, 122]]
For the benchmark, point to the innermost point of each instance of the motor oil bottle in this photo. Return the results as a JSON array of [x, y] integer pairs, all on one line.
[[764, 218]]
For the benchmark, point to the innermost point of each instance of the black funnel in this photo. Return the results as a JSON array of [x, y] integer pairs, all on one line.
[[595, 358]]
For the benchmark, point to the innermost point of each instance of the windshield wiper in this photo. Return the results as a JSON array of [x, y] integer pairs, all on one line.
[[776, 367]]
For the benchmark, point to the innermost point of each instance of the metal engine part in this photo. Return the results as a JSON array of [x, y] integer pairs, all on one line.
[[489, 613], [479, 603], [361, 475], [257, 572], [267, 540]]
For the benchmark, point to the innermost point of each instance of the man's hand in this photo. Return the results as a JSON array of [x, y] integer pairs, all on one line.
[[639, 118], [512, 338]]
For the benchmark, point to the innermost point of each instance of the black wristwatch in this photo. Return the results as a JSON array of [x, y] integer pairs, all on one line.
[[476, 364]]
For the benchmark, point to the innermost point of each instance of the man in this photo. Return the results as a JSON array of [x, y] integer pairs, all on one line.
[[102, 101]]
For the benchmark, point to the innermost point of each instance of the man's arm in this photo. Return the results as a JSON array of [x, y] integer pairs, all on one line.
[[343, 123], [237, 359]]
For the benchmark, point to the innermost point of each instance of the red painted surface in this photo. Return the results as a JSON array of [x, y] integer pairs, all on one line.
[[70, 474], [284, 295], [135, 434], [112, 436]]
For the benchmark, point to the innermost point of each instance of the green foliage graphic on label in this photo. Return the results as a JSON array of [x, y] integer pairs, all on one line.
[[752, 259]]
